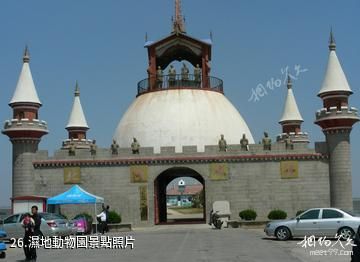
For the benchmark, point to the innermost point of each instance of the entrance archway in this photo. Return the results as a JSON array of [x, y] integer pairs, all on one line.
[[160, 204]]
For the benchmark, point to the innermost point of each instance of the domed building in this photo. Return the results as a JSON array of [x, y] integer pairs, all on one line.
[[181, 117], [183, 109], [181, 125]]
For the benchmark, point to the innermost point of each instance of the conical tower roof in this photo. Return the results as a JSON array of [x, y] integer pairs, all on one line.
[[77, 117], [335, 79], [291, 111], [25, 91]]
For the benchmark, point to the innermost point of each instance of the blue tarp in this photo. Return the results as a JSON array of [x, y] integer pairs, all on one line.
[[75, 195]]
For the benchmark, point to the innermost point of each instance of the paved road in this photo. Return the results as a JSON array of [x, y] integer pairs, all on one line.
[[191, 243]]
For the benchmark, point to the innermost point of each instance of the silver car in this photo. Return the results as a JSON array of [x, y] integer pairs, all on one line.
[[51, 225], [316, 221]]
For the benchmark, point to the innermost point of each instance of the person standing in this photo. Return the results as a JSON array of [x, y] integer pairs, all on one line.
[[355, 257], [102, 220], [28, 224], [107, 210], [37, 232]]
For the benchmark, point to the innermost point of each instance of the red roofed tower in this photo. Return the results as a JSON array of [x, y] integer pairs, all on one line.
[[24, 130]]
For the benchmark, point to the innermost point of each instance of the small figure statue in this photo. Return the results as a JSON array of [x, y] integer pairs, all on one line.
[[93, 148], [244, 142], [208, 65], [114, 148], [159, 77], [135, 146], [288, 143], [72, 148], [184, 73], [148, 70], [222, 144], [172, 75], [266, 141], [197, 75]]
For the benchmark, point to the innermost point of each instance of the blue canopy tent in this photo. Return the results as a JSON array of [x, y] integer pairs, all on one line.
[[75, 195]]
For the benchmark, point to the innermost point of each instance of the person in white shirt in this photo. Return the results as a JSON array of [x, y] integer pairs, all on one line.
[[102, 220]]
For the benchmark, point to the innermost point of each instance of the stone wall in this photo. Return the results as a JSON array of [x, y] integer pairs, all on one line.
[[253, 182]]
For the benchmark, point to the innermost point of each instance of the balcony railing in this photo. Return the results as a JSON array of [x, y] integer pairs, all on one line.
[[178, 82], [25, 124]]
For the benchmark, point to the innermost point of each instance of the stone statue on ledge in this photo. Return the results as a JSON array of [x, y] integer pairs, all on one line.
[[197, 74], [184, 73], [222, 144], [72, 148], [244, 142], [135, 146], [172, 76], [93, 148], [114, 148], [266, 141], [288, 143], [159, 77]]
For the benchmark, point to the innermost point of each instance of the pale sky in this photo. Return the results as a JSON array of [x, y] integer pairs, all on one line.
[[100, 44]]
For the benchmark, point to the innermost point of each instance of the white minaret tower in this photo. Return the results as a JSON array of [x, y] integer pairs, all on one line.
[[77, 125], [24, 130], [336, 119], [291, 119]]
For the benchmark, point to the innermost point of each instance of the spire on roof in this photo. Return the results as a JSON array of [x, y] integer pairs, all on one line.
[[289, 83], [291, 111], [335, 79], [26, 57], [178, 19], [332, 44], [77, 117], [25, 91], [77, 90]]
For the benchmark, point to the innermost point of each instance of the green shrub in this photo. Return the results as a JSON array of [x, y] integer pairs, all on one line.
[[299, 212], [114, 217], [277, 214], [248, 214]]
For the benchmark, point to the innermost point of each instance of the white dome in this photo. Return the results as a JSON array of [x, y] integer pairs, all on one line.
[[181, 117]]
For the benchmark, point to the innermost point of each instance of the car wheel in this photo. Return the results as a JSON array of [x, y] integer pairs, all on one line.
[[282, 233], [346, 233]]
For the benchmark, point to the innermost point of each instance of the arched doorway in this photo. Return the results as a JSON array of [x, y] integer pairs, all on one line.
[[160, 188]]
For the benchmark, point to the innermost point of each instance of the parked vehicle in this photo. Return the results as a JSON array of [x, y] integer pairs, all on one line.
[[51, 225], [59, 224], [82, 224], [316, 221], [2, 244]]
